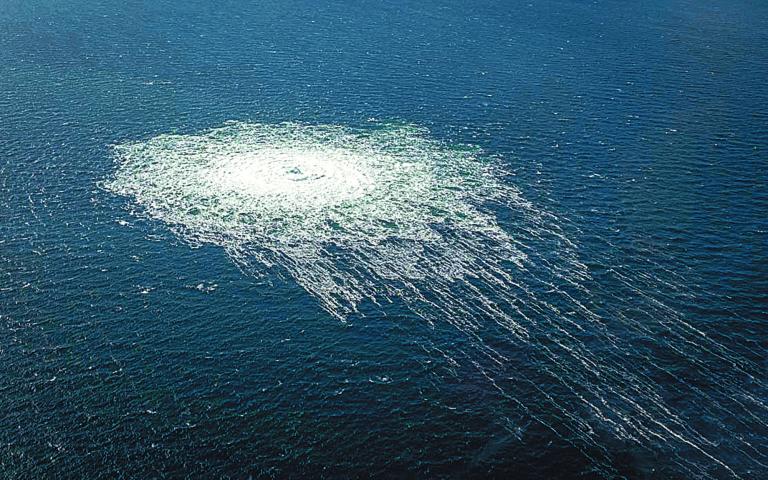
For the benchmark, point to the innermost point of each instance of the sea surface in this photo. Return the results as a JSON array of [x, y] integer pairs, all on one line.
[[351, 239]]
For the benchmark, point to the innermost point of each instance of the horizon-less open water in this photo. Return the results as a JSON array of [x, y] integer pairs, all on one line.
[[415, 239]]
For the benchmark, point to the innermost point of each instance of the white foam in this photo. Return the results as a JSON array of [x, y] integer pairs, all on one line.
[[396, 206]]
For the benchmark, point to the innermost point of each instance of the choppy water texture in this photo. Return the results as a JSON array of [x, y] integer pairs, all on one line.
[[437, 240]]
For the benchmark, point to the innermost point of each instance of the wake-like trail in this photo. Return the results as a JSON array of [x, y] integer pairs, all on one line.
[[387, 214]]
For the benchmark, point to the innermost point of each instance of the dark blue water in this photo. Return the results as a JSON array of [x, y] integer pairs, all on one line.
[[640, 128]]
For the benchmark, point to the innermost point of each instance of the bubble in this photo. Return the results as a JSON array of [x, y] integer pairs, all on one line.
[[393, 204]]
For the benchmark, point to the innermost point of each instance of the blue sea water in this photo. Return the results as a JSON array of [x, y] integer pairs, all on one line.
[[636, 130]]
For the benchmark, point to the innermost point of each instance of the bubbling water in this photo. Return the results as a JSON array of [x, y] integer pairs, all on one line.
[[403, 206], [387, 214]]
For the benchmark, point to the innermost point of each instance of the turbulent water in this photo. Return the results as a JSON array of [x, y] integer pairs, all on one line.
[[291, 239], [352, 215], [387, 213]]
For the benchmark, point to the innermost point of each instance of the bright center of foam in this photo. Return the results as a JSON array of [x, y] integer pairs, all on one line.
[[310, 177]]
